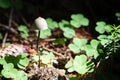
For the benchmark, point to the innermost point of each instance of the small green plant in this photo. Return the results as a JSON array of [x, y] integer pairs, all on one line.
[[10, 63], [68, 32], [68, 27], [46, 58], [23, 31], [51, 24], [102, 27], [79, 20], [80, 65], [77, 45], [110, 39]]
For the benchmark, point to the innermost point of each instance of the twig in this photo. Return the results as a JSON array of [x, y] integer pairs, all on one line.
[[24, 20], [56, 53], [9, 27], [4, 40]]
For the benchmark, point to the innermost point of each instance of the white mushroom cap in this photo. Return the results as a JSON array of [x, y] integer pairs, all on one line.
[[41, 23]]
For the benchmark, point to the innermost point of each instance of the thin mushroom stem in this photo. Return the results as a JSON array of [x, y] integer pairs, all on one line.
[[38, 40]]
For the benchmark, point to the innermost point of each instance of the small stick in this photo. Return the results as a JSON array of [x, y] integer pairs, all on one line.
[[9, 27], [56, 53], [4, 40]]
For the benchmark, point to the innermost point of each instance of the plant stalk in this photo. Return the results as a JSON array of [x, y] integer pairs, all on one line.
[[38, 40]]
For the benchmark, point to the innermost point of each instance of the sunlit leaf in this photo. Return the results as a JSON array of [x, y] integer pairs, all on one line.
[[74, 48], [100, 27], [69, 64], [80, 42], [68, 32]]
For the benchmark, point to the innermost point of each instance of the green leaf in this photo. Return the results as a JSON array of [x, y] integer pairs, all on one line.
[[63, 24], [5, 4], [68, 32], [71, 69], [8, 70], [1, 36], [46, 58], [2, 61], [77, 45], [23, 29], [94, 43], [60, 41], [74, 78], [80, 42], [23, 63], [74, 48], [51, 24], [9, 73], [24, 35], [35, 57], [89, 50], [80, 60], [80, 64], [104, 39], [108, 28], [44, 33], [69, 64], [75, 24], [8, 66], [100, 27], [85, 22], [79, 20], [20, 76]]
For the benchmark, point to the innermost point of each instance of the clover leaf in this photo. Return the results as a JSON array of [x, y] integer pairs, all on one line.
[[8, 70], [47, 57], [44, 33], [63, 24], [74, 48], [79, 20], [68, 32], [69, 65], [2, 61], [51, 24], [100, 27], [91, 49], [23, 31], [80, 65], [23, 61], [20, 76], [77, 45]]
